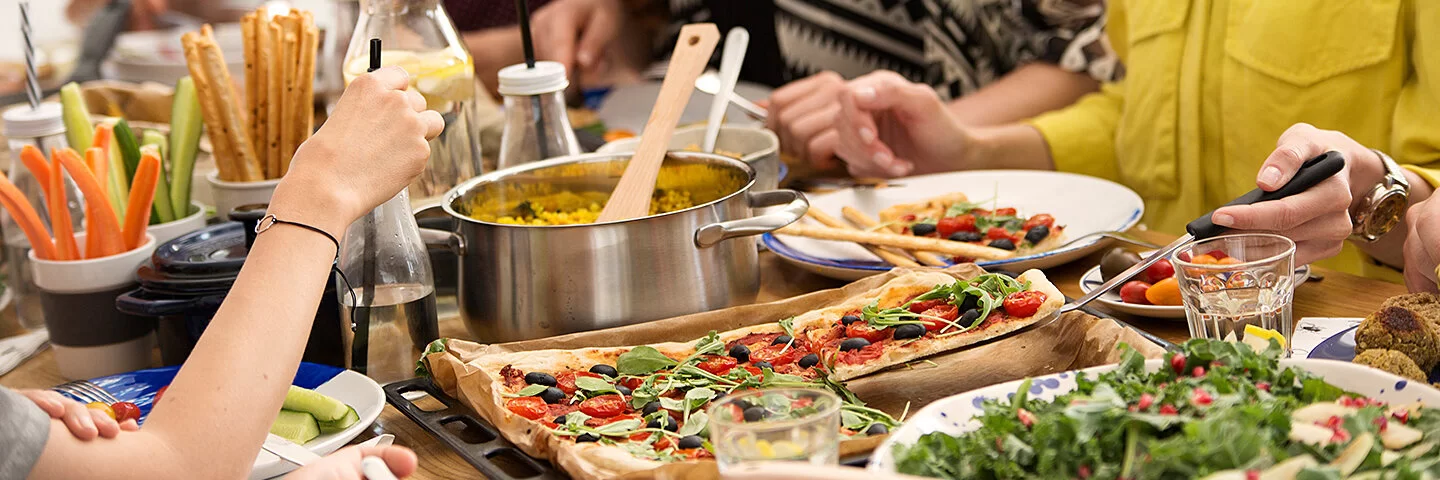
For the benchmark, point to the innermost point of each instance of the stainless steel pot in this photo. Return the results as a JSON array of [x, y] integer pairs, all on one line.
[[522, 282]]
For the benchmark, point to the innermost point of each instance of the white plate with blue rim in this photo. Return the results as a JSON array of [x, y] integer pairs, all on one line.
[[955, 415], [1082, 204], [354, 389], [1111, 300]]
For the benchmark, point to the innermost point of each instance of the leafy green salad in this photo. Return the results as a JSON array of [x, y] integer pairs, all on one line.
[[1219, 411]]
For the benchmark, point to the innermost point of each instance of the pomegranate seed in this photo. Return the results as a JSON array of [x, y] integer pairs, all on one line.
[[1401, 415], [1263, 386], [1177, 363], [1146, 400], [1252, 475], [1084, 471], [1168, 410], [1340, 436], [1026, 418], [1382, 422], [1199, 372], [1201, 397], [1333, 422]]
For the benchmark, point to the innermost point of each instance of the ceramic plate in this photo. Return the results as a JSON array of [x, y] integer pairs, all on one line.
[[1111, 300], [1082, 204], [1341, 346], [628, 107], [354, 389], [953, 415]]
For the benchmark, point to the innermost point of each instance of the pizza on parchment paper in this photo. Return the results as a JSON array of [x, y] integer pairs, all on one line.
[[608, 412]]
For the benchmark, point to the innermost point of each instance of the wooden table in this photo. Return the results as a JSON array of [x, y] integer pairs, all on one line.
[[1328, 294]]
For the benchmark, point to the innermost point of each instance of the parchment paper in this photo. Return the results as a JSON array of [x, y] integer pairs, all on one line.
[[1072, 341]]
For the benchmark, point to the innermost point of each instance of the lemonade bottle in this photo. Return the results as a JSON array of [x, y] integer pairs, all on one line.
[[418, 36]]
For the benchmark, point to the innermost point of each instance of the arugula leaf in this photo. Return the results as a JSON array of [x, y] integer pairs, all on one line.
[[619, 429], [788, 325], [529, 391], [642, 360], [672, 404], [592, 384], [698, 396], [695, 425]]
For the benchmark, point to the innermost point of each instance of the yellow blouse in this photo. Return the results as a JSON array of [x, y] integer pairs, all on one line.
[[1211, 85]]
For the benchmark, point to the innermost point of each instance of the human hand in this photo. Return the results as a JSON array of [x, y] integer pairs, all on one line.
[[891, 127], [577, 33], [802, 113], [84, 423], [1422, 246], [1318, 220], [344, 464], [371, 147]]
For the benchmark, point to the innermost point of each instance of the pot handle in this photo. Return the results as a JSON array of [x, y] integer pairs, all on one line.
[[444, 238], [795, 207], [135, 302]]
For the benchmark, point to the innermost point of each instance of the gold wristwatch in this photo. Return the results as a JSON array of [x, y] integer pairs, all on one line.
[[1383, 208]]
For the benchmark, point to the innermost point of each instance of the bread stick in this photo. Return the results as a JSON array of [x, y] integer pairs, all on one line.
[[219, 146], [275, 84], [906, 242], [888, 254], [231, 124], [865, 222]]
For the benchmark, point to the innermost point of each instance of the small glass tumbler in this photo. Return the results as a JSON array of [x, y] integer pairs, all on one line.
[[788, 424], [1234, 281]]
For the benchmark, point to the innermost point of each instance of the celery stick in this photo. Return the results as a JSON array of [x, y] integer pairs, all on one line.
[[119, 185], [161, 206], [79, 130], [129, 150], [184, 143]]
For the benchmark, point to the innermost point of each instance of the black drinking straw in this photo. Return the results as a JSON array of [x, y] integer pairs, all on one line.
[[360, 344], [522, 14]]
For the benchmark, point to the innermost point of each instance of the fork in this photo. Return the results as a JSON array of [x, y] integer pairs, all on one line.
[[85, 391], [1109, 234]]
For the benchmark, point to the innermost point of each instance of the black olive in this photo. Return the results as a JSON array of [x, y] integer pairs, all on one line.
[[540, 378], [877, 429], [781, 340], [605, 370], [552, 395], [763, 365], [754, 414], [855, 343], [560, 420], [970, 302], [669, 423], [809, 360], [690, 441], [909, 330], [969, 317], [741, 353], [849, 319], [1037, 234], [1003, 244], [742, 404], [963, 236], [651, 407], [587, 437], [623, 390], [922, 229]]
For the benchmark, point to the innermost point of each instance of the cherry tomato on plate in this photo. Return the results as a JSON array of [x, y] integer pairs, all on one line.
[[125, 411], [865, 331], [1160, 270], [604, 406], [1024, 304], [717, 364], [1134, 292], [1041, 219], [532, 408], [159, 393], [101, 407], [958, 223], [1165, 292]]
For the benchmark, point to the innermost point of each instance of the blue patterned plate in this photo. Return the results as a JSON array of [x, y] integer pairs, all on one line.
[[354, 389]]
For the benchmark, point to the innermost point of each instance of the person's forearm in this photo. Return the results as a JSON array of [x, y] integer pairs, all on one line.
[[492, 50], [1027, 91], [1016, 146], [1390, 248]]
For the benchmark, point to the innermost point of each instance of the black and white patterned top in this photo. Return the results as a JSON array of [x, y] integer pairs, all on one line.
[[957, 46]]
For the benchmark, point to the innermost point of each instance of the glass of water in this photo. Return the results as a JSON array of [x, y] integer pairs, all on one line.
[[1235, 281], [788, 424]]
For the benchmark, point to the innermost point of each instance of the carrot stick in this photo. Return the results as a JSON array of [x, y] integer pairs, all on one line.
[[65, 247], [34, 160], [106, 224], [100, 166], [142, 194], [29, 221]]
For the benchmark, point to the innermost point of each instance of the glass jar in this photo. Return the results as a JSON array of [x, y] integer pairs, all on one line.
[[43, 128], [536, 125], [418, 36]]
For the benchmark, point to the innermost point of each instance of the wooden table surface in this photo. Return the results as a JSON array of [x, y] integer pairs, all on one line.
[[1328, 294]]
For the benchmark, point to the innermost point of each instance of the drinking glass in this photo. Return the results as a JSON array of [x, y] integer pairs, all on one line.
[[787, 424], [1232, 281]]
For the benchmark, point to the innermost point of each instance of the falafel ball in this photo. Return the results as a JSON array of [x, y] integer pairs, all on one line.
[[1393, 362], [1400, 329], [1427, 305]]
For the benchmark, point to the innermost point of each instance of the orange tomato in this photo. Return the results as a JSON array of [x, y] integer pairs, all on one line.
[[1228, 261], [1164, 292], [103, 407], [1203, 260]]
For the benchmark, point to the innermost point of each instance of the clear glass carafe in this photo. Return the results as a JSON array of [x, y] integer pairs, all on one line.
[[43, 129], [419, 36], [536, 124], [390, 299]]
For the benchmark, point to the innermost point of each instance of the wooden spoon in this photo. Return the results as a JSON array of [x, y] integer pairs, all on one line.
[[631, 198]]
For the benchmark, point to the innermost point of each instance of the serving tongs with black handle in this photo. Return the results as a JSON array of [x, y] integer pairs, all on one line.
[[1311, 173]]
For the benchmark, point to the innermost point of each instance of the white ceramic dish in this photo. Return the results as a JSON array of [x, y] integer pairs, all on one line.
[[1082, 204], [356, 390], [953, 415], [1111, 300], [628, 107]]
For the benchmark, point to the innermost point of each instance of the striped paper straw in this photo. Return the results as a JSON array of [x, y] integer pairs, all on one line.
[[32, 79]]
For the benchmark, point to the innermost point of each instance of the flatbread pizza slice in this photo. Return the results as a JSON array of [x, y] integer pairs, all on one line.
[[954, 217]]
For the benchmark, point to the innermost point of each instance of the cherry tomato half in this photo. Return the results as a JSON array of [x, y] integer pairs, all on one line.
[[125, 411], [996, 233], [1005, 212], [101, 407], [1024, 304], [1041, 219], [604, 406], [532, 408], [867, 332], [158, 394], [772, 354], [717, 364], [958, 223], [566, 381], [945, 311]]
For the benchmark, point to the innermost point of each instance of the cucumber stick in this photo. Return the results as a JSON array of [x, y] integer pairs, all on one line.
[[119, 184], [321, 406], [129, 150], [154, 137], [298, 427], [161, 205], [184, 143], [79, 130]]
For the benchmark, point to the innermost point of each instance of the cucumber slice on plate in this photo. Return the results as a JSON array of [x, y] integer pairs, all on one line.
[[298, 427], [322, 407], [344, 422]]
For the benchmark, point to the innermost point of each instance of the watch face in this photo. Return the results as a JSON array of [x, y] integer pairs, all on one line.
[[1386, 215]]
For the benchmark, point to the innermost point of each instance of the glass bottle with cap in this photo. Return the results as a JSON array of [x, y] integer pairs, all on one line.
[[43, 128], [536, 125]]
